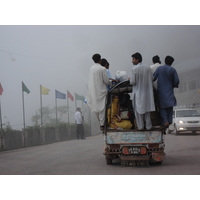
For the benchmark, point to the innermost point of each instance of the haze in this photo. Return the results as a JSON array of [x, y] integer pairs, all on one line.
[[59, 57]]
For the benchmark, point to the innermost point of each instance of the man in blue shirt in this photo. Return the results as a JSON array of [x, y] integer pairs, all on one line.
[[167, 80], [106, 64]]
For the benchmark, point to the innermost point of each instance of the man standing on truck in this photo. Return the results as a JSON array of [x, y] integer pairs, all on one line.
[[167, 80], [97, 89], [106, 64], [156, 64], [142, 92]]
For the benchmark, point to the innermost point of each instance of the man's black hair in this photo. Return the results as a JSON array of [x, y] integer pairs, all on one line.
[[156, 59], [169, 60], [96, 58], [108, 65], [137, 56], [104, 62]]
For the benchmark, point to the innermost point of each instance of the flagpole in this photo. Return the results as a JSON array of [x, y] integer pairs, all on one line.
[[23, 107], [56, 109], [1, 119], [83, 111], [41, 104], [68, 107], [1, 134], [75, 101], [1, 91]]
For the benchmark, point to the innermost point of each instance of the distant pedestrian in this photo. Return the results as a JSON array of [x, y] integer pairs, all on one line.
[[79, 124], [167, 80]]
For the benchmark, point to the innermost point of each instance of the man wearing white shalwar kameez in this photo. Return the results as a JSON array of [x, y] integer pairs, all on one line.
[[97, 86], [142, 92], [156, 64]]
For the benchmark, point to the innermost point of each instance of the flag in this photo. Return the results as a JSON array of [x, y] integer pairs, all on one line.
[[70, 96], [85, 101], [60, 95], [1, 89], [79, 97], [24, 88], [44, 90]]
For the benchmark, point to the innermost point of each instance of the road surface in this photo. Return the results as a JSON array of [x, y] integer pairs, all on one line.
[[85, 157]]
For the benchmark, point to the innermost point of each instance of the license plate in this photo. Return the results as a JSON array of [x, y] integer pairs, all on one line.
[[134, 150], [194, 125], [131, 150]]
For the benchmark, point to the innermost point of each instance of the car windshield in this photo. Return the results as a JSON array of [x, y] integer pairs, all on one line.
[[187, 113]]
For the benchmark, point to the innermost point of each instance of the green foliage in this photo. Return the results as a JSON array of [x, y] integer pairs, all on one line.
[[48, 116], [49, 119], [7, 127]]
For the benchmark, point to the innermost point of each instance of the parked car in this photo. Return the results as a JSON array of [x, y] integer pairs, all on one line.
[[185, 120]]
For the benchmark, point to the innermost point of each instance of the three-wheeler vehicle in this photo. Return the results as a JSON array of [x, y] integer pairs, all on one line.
[[122, 138]]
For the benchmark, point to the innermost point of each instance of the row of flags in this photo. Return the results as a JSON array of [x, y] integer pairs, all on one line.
[[60, 95], [45, 91]]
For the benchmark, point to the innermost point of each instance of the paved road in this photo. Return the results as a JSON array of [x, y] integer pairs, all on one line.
[[85, 157]]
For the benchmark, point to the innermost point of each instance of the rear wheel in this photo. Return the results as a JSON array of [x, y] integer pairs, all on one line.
[[108, 160]]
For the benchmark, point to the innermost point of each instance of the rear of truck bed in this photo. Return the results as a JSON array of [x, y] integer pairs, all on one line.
[[122, 138], [134, 147]]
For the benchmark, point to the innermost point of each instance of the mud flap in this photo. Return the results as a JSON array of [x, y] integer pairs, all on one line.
[[158, 157]]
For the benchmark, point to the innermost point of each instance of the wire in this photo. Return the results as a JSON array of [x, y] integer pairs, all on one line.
[[8, 52]]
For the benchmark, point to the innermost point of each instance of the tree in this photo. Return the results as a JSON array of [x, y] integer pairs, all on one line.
[[36, 118], [47, 115], [62, 110]]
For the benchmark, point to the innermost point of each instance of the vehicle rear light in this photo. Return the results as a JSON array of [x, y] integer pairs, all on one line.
[[143, 150], [125, 150]]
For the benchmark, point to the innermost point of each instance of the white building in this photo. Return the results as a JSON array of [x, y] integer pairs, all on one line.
[[188, 93]]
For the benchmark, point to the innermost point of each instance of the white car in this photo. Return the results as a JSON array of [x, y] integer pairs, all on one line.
[[185, 120]]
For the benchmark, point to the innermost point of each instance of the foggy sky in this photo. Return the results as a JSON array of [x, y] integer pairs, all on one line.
[[59, 57]]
